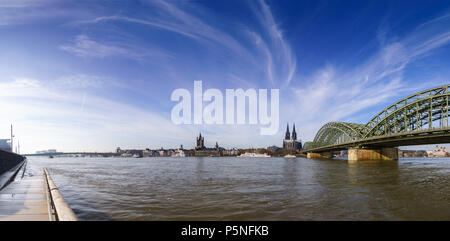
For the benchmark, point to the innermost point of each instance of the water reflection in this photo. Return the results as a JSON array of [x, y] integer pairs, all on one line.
[[290, 174], [199, 168]]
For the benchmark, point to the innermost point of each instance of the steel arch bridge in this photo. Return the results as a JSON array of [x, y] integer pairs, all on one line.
[[421, 118]]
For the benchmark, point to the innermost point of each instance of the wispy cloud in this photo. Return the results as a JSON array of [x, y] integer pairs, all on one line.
[[23, 3], [180, 22], [137, 21], [266, 42], [83, 46], [280, 59], [80, 81], [16, 12]]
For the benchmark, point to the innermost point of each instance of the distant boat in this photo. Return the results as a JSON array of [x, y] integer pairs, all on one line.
[[289, 156], [250, 154], [50, 156], [179, 153]]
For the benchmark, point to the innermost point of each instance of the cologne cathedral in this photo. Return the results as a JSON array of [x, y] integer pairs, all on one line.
[[290, 142]]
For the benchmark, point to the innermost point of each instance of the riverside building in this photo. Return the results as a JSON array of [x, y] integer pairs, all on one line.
[[201, 150]]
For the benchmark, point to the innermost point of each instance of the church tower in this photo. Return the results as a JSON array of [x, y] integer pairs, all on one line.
[[290, 142], [200, 142], [288, 135], [294, 134]]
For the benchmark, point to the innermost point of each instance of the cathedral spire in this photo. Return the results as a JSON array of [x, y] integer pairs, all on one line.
[[294, 134], [288, 135]]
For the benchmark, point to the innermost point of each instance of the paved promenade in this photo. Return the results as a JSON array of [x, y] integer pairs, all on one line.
[[25, 199]]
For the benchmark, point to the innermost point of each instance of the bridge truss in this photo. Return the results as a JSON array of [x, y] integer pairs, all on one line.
[[422, 112]]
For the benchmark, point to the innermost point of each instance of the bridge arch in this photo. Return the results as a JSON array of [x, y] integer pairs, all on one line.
[[427, 109], [337, 132]]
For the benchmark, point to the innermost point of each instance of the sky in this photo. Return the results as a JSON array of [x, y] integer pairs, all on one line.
[[95, 75]]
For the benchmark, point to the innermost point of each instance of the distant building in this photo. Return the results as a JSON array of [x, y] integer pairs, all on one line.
[[201, 150], [132, 153], [438, 152], [49, 151], [407, 153], [147, 153], [5, 144], [230, 152], [290, 143], [162, 152], [179, 153], [200, 145], [272, 149]]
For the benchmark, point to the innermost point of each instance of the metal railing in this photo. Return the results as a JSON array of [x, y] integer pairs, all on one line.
[[58, 207]]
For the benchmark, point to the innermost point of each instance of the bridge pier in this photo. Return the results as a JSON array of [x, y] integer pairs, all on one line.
[[327, 154], [358, 154]]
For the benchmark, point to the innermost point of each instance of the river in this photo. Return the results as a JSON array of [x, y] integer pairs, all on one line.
[[250, 188]]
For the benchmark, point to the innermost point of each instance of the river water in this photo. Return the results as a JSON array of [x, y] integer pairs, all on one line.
[[250, 188]]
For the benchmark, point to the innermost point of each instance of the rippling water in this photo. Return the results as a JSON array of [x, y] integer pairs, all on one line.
[[251, 189]]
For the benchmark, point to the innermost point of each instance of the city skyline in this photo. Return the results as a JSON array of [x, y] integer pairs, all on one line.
[[94, 82]]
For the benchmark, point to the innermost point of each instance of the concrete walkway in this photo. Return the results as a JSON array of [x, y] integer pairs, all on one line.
[[25, 199]]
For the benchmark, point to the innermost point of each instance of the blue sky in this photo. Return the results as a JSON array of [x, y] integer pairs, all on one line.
[[94, 75]]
